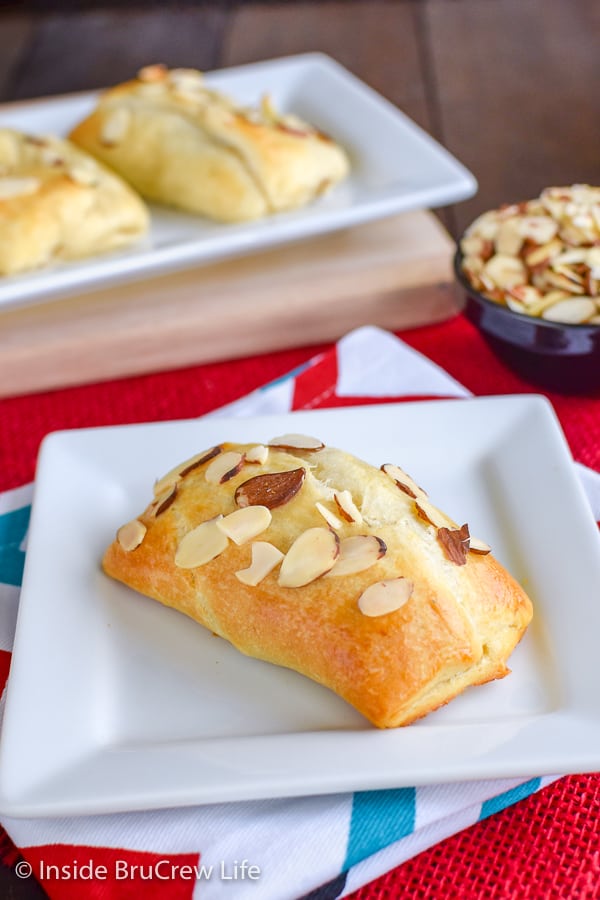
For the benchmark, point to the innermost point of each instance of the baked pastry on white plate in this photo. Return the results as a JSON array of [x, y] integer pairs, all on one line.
[[58, 203], [309, 558], [181, 144]]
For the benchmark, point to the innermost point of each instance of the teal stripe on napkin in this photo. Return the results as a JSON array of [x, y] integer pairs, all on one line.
[[13, 528], [378, 819], [495, 804]]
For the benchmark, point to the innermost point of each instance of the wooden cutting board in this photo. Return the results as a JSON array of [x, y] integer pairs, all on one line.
[[395, 273]]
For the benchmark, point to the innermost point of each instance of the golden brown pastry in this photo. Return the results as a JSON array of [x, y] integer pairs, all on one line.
[[181, 144], [309, 558], [58, 203]]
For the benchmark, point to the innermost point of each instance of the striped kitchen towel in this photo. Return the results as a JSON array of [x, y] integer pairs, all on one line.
[[322, 847]]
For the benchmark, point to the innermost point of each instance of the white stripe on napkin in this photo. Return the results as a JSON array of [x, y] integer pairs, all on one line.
[[375, 363]]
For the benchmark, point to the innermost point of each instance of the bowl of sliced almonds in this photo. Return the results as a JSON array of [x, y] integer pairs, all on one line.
[[531, 274]]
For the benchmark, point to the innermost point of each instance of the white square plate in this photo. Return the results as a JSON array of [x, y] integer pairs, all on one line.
[[118, 703], [395, 167]]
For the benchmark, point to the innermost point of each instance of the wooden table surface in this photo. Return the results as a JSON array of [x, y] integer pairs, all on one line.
[[511, 88]]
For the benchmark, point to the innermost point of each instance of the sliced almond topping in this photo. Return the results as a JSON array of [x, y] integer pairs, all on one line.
[[196, 461], [224, 467], [296, 442], [477, 546], [258, 454], [357, 554], [271, 490], [17, 187], [347, 507], [331, 519], [264, 559], [431, 513], [183, 469], [199, 546], [84, 175], [131, 535], [115, 127], [385, 596], [156, 72], [245, 524], [455, 543], [310, 556], [403, 481], [164, 500]]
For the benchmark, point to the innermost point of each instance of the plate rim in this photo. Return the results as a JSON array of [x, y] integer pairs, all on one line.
[[568, 716]]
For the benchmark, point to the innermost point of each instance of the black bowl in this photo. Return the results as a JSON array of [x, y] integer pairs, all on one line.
[[553, 355]]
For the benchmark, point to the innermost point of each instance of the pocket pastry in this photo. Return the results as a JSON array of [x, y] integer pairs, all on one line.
[[307, 557], [184, 145], [58, 203]]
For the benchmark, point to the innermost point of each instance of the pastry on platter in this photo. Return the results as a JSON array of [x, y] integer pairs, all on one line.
[[182, 144], [58, 203], [309, 558]]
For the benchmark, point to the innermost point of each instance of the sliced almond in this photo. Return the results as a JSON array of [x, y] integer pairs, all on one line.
[[311, 555], [156, 72], [477, 546], [540, 229], [546, 300], [244, 525], [477, 247], [505, 271], [199, 546], [271, 490], [164, 500], [526, 294], [296, 442], [431, 514], [455, 543], [258, 454], [403, 481], [385, 597], [347, 507], [541, 256], [486, 225], [509, 239], [562, 282], [84, 175], [18, 187], [131, 535], [264, 559], [515, 305], [358, 553], [572, 312], [115, 127], [330, 517], [184, 468], [224, 467], [186, 79]]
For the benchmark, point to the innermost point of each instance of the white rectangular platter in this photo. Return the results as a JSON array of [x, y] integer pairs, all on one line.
[[118, 703], [395, 167]]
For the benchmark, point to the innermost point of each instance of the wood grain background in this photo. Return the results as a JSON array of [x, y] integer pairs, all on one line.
[[510, 87]]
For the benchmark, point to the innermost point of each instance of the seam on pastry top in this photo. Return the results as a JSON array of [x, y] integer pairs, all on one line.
[[196, 116]]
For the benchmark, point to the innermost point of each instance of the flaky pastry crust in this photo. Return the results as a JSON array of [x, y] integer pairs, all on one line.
[[186, 146], [58, 203]]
